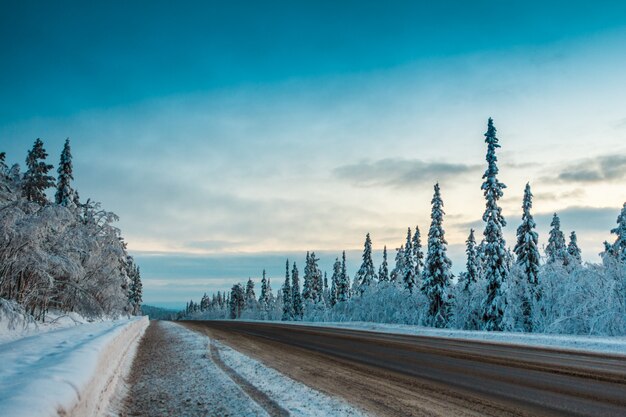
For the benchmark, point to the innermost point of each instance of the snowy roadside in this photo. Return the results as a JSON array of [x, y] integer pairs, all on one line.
[[289, 396], [596, 344], [72, 371]]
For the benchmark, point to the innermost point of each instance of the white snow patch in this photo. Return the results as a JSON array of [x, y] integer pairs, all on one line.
[[597, 344], [293, 396], [72, 371]]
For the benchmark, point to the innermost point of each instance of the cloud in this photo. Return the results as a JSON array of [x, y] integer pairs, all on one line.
[[600, 169], [397, 172]]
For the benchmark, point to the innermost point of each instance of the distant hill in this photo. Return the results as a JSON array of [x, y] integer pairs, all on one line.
[[158, 313]]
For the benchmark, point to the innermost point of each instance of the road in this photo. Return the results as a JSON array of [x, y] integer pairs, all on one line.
[[399, 375]]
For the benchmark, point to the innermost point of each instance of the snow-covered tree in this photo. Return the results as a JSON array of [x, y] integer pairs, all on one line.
[[617, 250], [335, 279], [527, 249], [366, 274], [470, 276], [287, 295], [65, 194], [437, 275], [298, 309], [36, 179], [418, 255], [237, 301], [383, 270], [495, 255], [250, 296], [556, 250], [343, 284], [135, 289], [397, 274], [573, 251], [313, 282], [408, 273]]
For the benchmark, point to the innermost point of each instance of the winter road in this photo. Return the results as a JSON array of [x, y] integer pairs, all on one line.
[[399, 375]]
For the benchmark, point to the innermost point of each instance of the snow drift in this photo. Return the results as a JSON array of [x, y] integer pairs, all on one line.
[[68, 372]]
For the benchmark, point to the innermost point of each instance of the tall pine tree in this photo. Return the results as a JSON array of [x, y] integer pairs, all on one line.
[[573, 251], [65, 194], [470, 276], [418, 256], [36, 179], [343, 285], [366, 275], [335, 280], [437, 275], [526, 248], [495, 254], [383, 270], [408, 273], [287, 295], [296, 297], [556, 250]]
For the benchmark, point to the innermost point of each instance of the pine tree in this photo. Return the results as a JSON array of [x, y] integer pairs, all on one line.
[[316, 283], [418, 256], [383, 270], [495, 255], [36, 179], [437, 275], [556, 249], [343, 284], [573, 250], [526, 249], [307, 286], [264, 297], [335, 279], [408, 274], [250, 296], [237, 301], [296, 297], [65, 194], [617, 250], [135, 289], [470, 276], [397, 274], [287, 295], [366, 275]]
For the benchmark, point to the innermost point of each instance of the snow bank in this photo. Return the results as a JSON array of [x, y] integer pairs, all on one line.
[[68, 372], [296, 398], [597, 344]]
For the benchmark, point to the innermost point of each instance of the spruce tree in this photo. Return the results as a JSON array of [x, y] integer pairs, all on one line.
[[250, 296], [470, 276], [437, 275], [287, 295], [556, 250], [495, 255], [526, 248], [65, 194], [307, 285], [236, 302], [296, 297], [317, 282], [264, 297], [366, 275], [343, 284], [36, 179], [418, 256], [573, 250], [617, 250], [383, 270], [408, 273], [397, 274], [334, 280]]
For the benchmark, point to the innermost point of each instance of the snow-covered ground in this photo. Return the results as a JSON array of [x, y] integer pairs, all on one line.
[[296, 398], [71, 371], [598, 344]]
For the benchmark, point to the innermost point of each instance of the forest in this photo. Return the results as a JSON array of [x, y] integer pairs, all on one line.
[[502, 288], [60, 254]]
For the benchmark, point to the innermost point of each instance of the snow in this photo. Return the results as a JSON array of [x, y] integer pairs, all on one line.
[[298, 399], [596, 344], [71, 371]]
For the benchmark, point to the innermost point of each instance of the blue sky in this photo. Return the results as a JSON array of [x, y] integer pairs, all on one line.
[[233, 135]]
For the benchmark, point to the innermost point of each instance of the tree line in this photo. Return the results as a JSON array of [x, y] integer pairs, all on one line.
[[501, 289], [62, 254]]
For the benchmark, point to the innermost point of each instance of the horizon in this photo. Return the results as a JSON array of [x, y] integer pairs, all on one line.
[[236, 136]]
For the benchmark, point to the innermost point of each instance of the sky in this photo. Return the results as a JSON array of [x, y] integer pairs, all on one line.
[[229, 136]]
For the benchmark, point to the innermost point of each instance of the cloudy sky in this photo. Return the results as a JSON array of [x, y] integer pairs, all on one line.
[[230, 135]]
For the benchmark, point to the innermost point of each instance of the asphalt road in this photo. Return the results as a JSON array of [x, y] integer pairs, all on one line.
[[487, 378]]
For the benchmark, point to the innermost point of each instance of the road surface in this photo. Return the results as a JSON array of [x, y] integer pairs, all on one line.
[[400, 375]]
